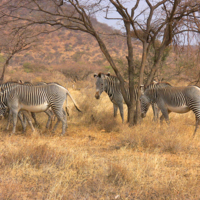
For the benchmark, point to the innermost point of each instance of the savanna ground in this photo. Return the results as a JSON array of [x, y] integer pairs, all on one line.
[[101, 158]]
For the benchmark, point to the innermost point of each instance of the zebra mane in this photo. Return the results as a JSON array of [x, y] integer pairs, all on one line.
[[157, 85]]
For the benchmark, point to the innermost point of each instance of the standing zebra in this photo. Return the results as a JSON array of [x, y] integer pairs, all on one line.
[[172, 99], [4, 109], [37, 99], [111, 85]]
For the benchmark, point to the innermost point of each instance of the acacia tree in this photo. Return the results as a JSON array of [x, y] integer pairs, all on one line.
[[157, 20], [12, 44]]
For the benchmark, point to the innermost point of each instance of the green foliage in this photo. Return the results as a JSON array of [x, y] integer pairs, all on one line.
[[28, 68], [2, 59], [166, 54], [152, 54], [119, 62], [32, 67], [109, 68]]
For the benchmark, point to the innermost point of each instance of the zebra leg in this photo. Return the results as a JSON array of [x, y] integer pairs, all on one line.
[[14, 113], [28, 119], [56, 125], [50, 116], [165, 112], [196, 127], [115, 108], [197, 123], [34, 118], [121, 112], [22, 121], [9, 119], [67, 110], [155, 111], [61, 117], [65, 118]]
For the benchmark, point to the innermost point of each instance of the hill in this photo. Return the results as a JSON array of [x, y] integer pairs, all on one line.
[[69, 51]]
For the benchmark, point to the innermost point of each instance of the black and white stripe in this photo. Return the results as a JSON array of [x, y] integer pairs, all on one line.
[[173, 99], [37, 99]]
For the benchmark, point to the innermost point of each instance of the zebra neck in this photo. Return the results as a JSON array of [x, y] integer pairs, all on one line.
[[110, 92], [112, 86]]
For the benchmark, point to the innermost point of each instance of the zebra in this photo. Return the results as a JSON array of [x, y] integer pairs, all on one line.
[[49, 112], [172, 99], [111, 85], [4, 109], [37, 99], [153, 85], [21, 115]]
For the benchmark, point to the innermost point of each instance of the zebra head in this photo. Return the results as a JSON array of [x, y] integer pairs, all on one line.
[[144, 103], [101, 84]]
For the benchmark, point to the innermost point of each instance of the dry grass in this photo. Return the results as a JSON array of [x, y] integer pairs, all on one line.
[[101, 158]]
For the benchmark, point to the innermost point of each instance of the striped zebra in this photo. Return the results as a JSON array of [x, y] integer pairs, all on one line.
[[37, 99], [24, 116], [111, 85], [155, 85], [172, 99]]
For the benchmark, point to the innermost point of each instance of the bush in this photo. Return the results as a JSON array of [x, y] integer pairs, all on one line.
[[32, 67]]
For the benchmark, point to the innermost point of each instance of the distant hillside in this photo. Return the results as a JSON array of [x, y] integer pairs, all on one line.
[[68, 47]]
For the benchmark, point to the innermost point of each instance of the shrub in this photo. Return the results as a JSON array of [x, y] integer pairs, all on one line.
[[32, 67]]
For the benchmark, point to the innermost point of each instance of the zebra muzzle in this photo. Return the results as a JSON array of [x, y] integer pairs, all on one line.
[[143, 115], [97, 96]]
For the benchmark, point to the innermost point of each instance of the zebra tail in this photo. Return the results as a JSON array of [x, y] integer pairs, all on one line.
[[73, 101]]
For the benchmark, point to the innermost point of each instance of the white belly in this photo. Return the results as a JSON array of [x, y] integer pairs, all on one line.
[[35, 108], [180, 109]]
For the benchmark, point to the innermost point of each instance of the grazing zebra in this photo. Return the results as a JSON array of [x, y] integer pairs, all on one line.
[[4, 110], [111, 85], [172, 99], [37, 99], [153, 85]]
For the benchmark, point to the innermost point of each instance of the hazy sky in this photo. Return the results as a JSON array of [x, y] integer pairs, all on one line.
[[114, 14]]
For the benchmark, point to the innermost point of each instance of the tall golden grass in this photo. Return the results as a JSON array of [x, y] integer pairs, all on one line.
[[101, 158]]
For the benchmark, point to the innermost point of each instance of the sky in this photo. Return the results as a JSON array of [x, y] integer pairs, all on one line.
[[117, 24]]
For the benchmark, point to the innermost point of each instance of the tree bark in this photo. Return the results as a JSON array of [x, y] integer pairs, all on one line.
[[141, 79], [4, 69], [131, 72]]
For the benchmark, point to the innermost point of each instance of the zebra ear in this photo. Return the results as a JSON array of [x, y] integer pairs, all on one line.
[[142, 89], [95, 75], [155, 82], [108, 74], [20, 81]]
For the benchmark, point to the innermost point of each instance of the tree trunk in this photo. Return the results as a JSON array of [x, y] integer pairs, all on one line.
[[4, 69], [131, 73], [131, 115], [141, 80]]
